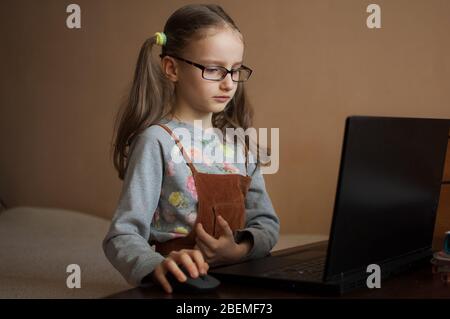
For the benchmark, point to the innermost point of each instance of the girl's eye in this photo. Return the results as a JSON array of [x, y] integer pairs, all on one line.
[[212, 70]]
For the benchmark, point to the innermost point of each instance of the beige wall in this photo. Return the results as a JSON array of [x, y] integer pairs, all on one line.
[[315, 63]]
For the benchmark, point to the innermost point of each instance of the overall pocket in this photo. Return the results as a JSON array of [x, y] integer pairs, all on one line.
[[233, 213]]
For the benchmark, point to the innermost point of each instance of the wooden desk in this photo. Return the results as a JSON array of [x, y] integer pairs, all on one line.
[[417, 283]]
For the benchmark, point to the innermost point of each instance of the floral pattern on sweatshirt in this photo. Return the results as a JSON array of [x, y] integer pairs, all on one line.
[[190, 185], [178, 200]]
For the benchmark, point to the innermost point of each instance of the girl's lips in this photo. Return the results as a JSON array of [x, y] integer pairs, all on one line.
[[221, 98]]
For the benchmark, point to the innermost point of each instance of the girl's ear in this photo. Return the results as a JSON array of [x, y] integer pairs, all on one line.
[[170, 68]]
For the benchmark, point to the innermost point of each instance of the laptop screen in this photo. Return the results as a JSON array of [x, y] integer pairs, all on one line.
[[388, 190]]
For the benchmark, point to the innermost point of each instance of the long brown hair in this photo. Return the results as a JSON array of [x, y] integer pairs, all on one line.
[[151, 93]]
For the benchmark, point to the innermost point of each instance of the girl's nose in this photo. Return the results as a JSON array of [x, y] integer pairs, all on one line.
[[227, 83]]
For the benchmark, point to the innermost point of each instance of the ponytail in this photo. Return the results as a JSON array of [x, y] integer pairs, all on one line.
[[147, 102]]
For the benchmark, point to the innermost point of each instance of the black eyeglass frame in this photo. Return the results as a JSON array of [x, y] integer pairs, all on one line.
[[202, 67]]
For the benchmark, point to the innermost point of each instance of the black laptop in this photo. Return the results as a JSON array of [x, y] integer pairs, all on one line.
[[384, 212]]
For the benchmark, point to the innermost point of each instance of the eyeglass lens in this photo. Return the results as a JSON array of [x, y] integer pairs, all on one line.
[[216, 73]]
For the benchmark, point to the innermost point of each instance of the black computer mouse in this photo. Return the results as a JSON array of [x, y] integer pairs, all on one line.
[[202, 283]]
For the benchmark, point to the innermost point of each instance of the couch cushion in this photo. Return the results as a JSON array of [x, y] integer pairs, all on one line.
[[37, 244]]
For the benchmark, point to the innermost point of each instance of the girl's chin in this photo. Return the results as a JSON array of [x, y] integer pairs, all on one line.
[[219, 107], [214, 107]]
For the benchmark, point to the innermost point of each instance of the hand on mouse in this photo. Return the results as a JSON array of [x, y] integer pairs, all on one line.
[[192, 260], [221, 250]]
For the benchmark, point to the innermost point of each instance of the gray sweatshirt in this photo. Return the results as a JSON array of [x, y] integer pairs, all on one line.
[[158, 200]]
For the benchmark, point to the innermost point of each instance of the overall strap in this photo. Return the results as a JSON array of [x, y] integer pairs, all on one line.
[[246, 159], [180, 146]]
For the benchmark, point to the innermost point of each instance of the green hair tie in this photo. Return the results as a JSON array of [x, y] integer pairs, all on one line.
[[161, 38]]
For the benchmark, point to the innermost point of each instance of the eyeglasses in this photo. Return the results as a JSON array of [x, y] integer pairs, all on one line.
[[218, 73]]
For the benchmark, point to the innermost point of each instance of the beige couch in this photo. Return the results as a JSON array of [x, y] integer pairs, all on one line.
[[37, 244]]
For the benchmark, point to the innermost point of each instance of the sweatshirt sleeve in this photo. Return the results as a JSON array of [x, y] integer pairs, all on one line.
[[126, 244], [262, 223]]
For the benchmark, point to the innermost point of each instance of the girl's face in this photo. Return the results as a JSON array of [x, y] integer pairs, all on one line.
[[220, 47]]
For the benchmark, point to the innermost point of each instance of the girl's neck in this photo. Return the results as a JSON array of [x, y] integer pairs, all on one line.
[[193, 119]]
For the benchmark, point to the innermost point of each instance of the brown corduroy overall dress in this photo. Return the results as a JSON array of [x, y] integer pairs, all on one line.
[[218, 194]]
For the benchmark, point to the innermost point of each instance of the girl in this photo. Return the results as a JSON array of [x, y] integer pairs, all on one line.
[[207, 213]]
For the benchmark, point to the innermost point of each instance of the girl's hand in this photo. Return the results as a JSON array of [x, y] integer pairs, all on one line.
[[191, 259], [222, 250]]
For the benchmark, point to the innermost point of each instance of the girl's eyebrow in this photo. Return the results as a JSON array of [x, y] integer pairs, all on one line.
[[220, 63]]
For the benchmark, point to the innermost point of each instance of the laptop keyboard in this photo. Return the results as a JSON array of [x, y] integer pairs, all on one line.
[[312, 268]]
